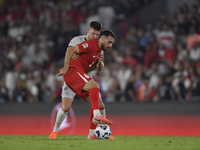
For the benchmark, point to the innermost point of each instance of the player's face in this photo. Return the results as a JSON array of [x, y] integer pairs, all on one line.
[[107, 42], [93, 34]]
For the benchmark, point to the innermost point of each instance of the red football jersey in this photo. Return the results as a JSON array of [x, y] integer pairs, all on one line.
[[89, 53]]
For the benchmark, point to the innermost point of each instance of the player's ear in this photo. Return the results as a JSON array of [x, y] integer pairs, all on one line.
[[88, 30], [102, 38]]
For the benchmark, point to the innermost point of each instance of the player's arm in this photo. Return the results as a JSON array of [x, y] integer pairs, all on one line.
[[71, 51], [68, 56], [75, 41], [99, 65]]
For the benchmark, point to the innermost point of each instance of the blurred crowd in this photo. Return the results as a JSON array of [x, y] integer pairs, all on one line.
[[158, 62]]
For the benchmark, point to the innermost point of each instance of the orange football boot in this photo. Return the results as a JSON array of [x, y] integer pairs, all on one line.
[[111, 138], [53, 135], [101, 120]]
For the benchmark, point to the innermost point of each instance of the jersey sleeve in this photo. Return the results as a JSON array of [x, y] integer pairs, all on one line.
[[85, 47], [75, 41]]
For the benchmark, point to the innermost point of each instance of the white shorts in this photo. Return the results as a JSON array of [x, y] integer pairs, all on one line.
[[67, 92]]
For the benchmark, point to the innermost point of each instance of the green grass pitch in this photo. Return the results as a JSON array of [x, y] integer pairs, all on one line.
[[28, 142]]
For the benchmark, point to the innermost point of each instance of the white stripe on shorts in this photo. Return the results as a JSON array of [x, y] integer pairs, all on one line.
[[82, 77]]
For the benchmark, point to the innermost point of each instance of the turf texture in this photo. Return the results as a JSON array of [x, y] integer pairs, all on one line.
[[41, 142]]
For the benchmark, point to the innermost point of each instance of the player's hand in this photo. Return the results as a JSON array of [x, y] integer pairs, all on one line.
[[75, 56], [63, 71], [101, 58]]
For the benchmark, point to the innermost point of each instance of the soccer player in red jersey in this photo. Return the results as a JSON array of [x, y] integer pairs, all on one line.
[[68, 95], [74, 71]]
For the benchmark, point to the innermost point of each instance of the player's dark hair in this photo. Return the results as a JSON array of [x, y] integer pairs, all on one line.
[[95, 25], [107, 33]]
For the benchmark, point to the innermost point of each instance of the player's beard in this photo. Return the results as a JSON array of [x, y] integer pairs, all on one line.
[[103, 47]]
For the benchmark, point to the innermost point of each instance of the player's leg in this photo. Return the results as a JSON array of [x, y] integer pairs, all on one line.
[[80, 82], [93, 88], [103, 112], [67, 98], [101, 104], [92, 125], [61, 114], [66, 105]]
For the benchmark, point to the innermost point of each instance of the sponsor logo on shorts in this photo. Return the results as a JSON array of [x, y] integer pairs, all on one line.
[[65, 88]]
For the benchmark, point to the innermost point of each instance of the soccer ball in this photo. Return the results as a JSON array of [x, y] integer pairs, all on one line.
[[103, 131]]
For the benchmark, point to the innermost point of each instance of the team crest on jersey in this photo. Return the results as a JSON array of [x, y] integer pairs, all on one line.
[[70, 42], [85, 45]]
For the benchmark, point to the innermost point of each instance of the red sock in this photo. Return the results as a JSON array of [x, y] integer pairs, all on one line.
[[94, 98], [92, 125]]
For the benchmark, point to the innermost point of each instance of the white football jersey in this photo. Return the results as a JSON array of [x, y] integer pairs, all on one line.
[[77, 40]]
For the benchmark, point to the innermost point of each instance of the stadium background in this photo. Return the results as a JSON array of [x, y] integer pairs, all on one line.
[[34, 36], [142, 119]]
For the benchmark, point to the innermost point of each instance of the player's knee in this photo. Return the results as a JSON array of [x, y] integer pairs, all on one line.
[[66, 104], [66, 108]]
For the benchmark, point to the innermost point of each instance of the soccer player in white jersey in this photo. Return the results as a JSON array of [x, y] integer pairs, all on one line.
[[68, 95]]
